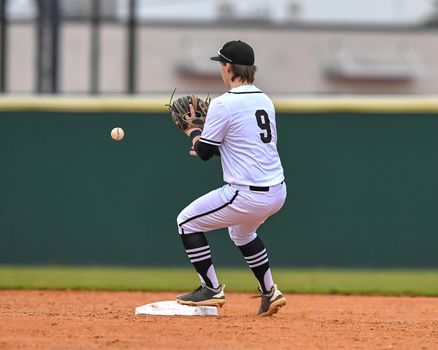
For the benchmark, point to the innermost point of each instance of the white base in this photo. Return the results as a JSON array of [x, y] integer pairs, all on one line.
[[172, 308]]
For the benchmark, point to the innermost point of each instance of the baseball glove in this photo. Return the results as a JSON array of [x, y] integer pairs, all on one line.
[[180, 112]]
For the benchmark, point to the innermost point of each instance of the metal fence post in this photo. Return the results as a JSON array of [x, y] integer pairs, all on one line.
[[3, 45], [55, 20], [132, 48], [95, 46], [47, 46]]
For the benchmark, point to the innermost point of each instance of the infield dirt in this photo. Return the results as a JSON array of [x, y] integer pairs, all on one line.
[[97, 320]]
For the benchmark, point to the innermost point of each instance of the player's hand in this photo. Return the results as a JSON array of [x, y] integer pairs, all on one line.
[[192, 152], [193, 115]]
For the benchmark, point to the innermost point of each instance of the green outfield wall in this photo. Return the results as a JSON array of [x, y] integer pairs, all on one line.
[[362, 181]]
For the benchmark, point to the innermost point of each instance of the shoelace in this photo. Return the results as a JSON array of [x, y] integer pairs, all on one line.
[[197, 290], [261, 295]]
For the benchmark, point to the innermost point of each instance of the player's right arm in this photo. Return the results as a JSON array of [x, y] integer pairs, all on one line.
[[203, 150], [206, 151], [215, 128], [206, 142]]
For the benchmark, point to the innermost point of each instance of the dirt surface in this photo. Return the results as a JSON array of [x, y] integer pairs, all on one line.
[[96, 320]]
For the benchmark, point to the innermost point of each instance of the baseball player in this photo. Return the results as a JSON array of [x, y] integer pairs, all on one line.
[[241, 128]]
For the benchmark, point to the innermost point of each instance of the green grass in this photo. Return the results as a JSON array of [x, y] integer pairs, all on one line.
[[314, 281]]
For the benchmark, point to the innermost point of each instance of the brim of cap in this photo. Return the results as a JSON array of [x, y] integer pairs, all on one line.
[[218, 58]]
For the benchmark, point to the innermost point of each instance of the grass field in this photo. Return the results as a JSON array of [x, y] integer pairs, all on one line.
[[313, 281]]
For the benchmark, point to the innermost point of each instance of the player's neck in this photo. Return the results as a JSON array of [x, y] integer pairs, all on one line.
[[237, 83]]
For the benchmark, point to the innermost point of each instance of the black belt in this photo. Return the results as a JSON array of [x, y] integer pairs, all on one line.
[[261, 189]]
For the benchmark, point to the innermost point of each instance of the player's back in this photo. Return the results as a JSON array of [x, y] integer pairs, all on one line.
[[248, 149]]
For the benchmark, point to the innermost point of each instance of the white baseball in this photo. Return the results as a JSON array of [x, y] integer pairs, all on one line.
[[117, 134]]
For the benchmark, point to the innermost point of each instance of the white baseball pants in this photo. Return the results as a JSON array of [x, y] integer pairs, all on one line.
[[232, 206]]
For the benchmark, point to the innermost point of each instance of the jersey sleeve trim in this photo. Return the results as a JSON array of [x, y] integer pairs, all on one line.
[[211, 142]]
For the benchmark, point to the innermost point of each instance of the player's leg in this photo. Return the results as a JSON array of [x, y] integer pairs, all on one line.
[[255, 253], [259, 206], [256, 256], [204, 214], [211, 211], [198, 252], [210, 292]]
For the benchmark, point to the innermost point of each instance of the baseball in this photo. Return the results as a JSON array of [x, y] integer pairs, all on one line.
[[117, 134]]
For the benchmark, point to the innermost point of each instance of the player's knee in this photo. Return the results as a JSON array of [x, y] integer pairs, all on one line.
[[183, 225], [179, 222], [240, 239], [184, 229]]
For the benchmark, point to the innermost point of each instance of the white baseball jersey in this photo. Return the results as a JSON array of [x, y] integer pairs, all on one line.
[[242, 123]]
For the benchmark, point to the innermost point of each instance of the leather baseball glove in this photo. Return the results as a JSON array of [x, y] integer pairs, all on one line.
[[180, 112]]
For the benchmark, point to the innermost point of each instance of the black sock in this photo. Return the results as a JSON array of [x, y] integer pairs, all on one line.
[[257, 258], [198, 251]]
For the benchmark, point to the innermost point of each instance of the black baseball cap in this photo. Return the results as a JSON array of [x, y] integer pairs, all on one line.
[[236, 52]]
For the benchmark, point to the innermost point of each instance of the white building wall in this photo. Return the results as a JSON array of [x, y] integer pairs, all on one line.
[[289, 60]]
